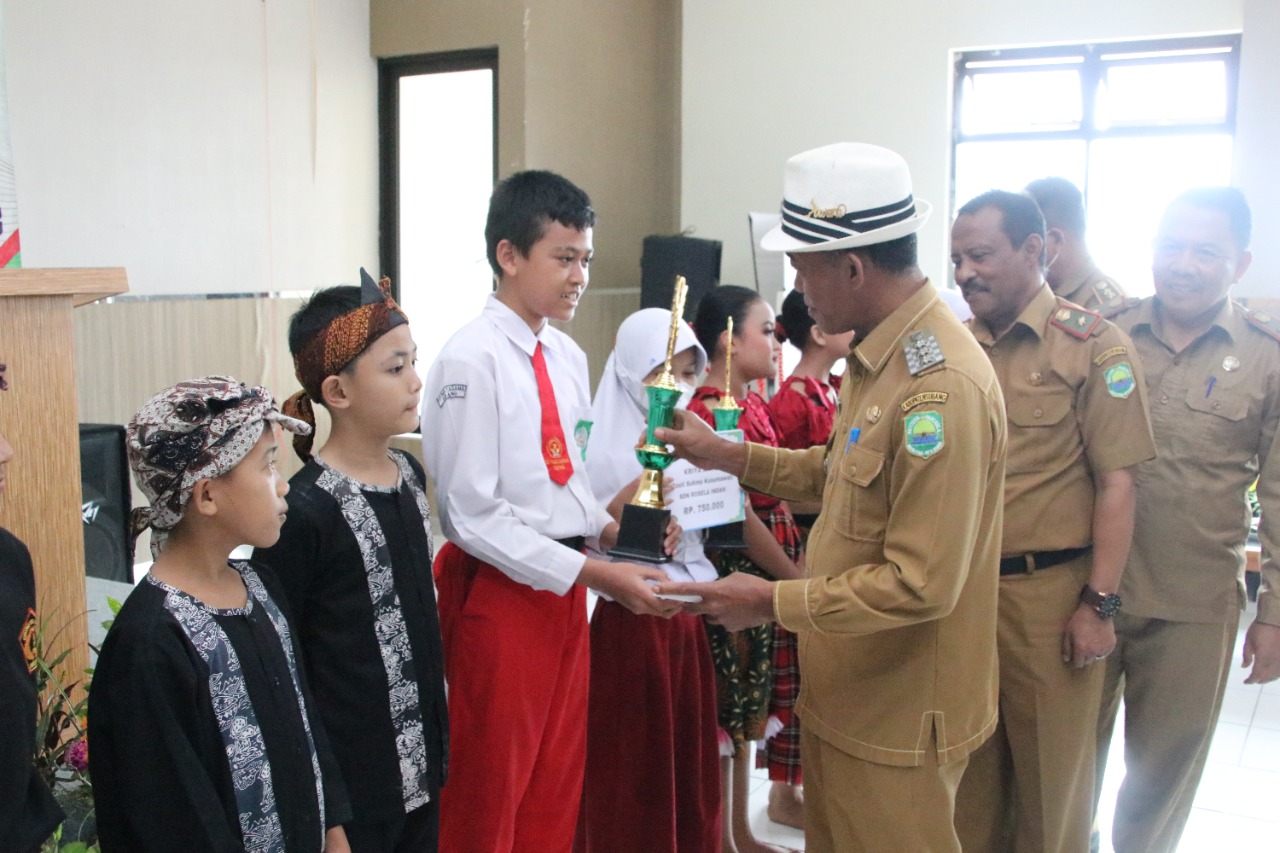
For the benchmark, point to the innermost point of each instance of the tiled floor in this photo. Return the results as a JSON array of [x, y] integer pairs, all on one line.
[[1237, 806]]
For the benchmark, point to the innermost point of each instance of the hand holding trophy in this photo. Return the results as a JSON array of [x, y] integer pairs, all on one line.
[[644, 520]]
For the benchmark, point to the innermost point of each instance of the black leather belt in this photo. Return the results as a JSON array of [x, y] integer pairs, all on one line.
[[577, 543], [1028, 563]]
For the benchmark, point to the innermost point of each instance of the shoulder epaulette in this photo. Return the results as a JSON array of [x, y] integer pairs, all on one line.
[[1109, 295], [1123, 305], [1075, 321], [1267, 323], [922, 351]]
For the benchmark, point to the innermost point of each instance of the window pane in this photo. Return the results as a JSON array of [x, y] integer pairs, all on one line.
[[982, 166], [446, 175], [1171, 93], [1021, 100], [1131, 181]]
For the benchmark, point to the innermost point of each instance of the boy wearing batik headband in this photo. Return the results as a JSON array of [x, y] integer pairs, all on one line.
[[202, 732], [354, 558]]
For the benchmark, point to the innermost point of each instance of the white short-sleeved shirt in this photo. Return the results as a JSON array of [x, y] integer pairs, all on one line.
[[482, 443]]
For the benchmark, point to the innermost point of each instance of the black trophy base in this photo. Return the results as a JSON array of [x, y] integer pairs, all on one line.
[[731, 536], [642, 533]]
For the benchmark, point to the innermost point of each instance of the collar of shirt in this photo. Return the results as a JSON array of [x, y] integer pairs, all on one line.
[[516, 329], [1229, 321], [1035, 317], [876, 348], [1071, 288]]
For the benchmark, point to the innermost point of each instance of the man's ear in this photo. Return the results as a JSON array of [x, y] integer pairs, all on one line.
[[203, 498], [1033, 249], [1242, 265], [333, 391], [507, 254], [856, 267]]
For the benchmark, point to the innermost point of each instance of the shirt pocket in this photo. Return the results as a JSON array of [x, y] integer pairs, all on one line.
[[1039, 423], [861, 501], [1218, 422]]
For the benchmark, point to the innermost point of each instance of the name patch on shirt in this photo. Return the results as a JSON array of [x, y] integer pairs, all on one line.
[[448, 392], [1111, 353], [926, 397]]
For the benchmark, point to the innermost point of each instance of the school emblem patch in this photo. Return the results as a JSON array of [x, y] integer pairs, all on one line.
[[1119, 380], [581, 433], [924, 433], [27, 640]]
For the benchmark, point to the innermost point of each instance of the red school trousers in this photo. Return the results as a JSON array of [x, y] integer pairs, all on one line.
[[517, 664]]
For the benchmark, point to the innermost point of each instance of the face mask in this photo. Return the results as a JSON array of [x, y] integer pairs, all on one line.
[[686, 394]]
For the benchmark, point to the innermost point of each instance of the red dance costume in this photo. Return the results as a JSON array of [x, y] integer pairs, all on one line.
[[781, 752]]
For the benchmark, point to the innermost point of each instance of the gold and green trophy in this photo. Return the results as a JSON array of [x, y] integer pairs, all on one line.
[[727, 412], [643, 528]]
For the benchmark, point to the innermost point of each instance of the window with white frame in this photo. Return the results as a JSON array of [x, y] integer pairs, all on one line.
[[1130, 123]]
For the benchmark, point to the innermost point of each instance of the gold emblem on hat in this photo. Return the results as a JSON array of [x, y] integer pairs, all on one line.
[[1230, 363], [1064, 315], [873, 414], [816, 212], [1035, 378], [1262, 316]]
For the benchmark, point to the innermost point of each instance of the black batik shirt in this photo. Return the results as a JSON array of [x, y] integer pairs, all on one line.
[[383, 709], [179, 728], [28, 814]]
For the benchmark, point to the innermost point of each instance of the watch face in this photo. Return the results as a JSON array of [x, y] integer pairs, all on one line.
[[1109, 605]]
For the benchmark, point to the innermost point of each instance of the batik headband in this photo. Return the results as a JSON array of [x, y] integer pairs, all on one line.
[[195, 430], [337, 345]]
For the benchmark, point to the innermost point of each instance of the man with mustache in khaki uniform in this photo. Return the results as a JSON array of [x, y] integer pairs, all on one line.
[[897, 615], [1077, 425]]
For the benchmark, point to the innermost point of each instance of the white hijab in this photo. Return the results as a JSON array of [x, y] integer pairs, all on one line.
[[620, 411]]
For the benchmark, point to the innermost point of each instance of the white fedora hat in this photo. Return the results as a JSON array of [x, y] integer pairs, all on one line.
[[843, 196]]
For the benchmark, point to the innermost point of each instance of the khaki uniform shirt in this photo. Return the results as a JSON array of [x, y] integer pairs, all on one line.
[[1214, 411], [897, 618], [1076, 406], [1094, 290]]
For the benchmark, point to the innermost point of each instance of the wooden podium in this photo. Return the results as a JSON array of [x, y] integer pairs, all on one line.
[[40, 418]]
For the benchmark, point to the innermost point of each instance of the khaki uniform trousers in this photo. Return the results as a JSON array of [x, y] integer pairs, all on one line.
[[856, 806], [1172, 676], [1030, 787]]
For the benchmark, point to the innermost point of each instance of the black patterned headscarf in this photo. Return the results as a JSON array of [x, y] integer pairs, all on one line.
[[196, 430]]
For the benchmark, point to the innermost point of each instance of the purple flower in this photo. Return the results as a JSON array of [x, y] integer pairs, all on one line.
[[77, 755]]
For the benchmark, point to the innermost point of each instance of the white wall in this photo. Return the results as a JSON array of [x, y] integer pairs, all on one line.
[[765, 79], [1257, 168], [204, 145]]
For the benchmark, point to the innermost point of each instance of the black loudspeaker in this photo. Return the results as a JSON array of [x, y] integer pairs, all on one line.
[[664, 258], [105, 502]]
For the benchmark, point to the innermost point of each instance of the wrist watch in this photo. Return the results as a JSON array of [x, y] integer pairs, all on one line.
[[1106, 604]]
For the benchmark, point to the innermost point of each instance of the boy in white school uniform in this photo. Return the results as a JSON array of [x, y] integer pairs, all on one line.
[[505, 421]]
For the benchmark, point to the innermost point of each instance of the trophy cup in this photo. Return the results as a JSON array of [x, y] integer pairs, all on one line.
[[644, 520], [726, 413]]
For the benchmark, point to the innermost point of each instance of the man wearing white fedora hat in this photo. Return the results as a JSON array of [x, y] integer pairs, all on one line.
[[897, 618]]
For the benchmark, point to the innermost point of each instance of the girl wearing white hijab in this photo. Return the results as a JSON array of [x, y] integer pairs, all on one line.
[[652, 780]]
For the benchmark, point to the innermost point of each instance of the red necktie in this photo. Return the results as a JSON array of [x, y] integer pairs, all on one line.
[[553, 450]]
